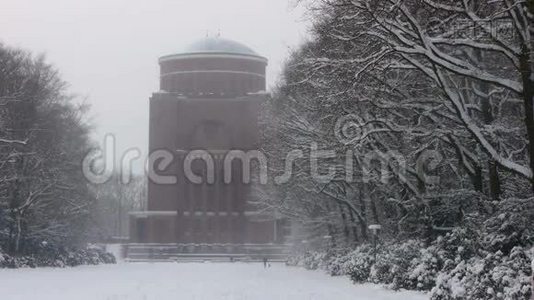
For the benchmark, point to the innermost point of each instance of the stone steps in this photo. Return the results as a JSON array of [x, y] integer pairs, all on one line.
[[204, 252]]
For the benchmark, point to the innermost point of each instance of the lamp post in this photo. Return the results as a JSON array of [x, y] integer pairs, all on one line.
[[375, 228]]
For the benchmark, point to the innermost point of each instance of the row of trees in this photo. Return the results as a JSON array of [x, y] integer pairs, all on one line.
[[114, 201], [44, 198], [437, 93]]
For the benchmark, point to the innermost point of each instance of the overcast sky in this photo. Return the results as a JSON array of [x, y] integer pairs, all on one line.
[[108, 49]]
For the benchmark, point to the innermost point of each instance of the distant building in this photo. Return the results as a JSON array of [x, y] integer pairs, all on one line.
[[209, 101]]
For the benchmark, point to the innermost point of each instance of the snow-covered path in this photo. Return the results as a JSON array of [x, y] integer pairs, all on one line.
[[160, 281]]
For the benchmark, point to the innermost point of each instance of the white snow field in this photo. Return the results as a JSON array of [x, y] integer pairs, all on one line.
[[177, 281]]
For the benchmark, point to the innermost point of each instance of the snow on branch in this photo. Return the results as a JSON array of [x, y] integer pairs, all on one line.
[[20, 142]]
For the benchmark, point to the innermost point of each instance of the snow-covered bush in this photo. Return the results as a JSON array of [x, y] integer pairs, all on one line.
[[89, 256], [423, 270], [453, 267], [460, 244], [293, 260], [510, 227], [380, 271], [493, 277], [311, 260], [49, 256], [2, 257], [337, 264], [359, 263], [445, 253], [314, 260], [401, 257]]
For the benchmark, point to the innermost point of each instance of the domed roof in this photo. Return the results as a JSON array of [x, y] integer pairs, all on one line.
[[218, 45]]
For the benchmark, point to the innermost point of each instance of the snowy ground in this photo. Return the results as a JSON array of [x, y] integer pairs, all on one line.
[[147, 281]]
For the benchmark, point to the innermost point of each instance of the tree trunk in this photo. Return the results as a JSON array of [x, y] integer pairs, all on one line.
[[18, 233], [346, 233], [363, 224], [487, 115], [353, 226], [494, 181], [332, 234], [528, 95]]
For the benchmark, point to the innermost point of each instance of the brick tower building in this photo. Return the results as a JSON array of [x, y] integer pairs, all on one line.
[[209, 100]]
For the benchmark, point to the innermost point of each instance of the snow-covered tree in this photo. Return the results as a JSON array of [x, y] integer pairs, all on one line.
[[436, 88], [43, 138]]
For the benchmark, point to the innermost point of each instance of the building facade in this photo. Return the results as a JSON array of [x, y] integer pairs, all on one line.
[[207, 106]]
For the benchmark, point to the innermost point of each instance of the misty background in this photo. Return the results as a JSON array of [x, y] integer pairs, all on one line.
[[108, 50]]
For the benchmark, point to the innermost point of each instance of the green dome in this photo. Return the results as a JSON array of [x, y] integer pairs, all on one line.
[[218, 45]]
